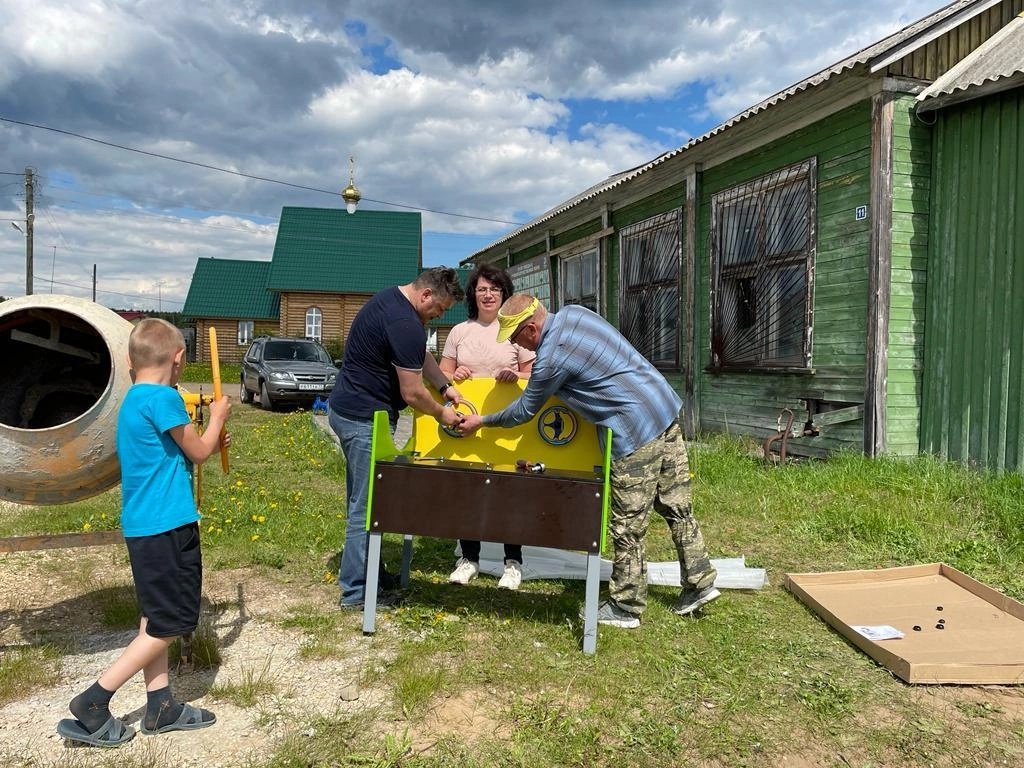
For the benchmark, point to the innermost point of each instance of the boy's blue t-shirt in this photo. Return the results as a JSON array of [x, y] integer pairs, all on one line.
[[156, 478]]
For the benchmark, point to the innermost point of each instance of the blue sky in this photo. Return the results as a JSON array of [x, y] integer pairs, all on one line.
[[478, 113]]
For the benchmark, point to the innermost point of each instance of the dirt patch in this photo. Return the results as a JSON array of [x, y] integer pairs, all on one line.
[[468, 716], [964, 704], [55, 596]]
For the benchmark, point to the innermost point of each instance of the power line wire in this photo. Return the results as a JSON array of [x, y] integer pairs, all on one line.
[[105, 193], [240, 173], [77, 206]]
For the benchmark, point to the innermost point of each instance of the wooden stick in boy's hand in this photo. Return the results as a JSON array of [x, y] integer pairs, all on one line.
[[215, 369]]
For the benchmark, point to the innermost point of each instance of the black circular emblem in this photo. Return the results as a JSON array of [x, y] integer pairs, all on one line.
[[557, 425]]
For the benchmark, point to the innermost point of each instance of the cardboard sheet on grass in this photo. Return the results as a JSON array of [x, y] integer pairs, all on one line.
[[982, 635]]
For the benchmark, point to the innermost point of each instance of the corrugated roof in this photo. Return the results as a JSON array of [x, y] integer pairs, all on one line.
[[329, 249], [231, 288], [1001, 57], [905, 40]]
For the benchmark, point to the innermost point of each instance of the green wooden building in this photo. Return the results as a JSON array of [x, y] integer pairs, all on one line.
[[231, 296], [326, 264], [973, 394], [781, 266]]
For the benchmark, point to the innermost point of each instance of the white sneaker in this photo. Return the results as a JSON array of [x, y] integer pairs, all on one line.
[[512, 577], [465, 571]]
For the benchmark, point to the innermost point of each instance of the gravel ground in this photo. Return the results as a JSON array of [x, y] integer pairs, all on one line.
[[52, 594]]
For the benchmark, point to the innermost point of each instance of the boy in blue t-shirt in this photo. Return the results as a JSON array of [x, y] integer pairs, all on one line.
[[157, 446]]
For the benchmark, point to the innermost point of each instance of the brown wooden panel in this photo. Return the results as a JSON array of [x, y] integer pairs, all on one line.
[[60, 541], [486, 505]]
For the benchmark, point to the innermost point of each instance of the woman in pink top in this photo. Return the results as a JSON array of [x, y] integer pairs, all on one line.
[[472, 349]]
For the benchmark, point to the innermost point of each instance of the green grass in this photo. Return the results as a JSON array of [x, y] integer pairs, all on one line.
[[26, 668], [202, 650], [252, 686], [758, 680], [202, 373], [321, 632], [118, 607]]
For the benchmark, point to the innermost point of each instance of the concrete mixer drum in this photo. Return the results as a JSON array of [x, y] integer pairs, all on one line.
[[63, 375]]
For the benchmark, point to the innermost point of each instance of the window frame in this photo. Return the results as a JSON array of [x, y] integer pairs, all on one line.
[[245, 331], [663, 279], [566, 265], [756, 277], [314, 330]]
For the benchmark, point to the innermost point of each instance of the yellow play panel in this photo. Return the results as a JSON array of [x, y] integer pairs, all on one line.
[[557, 436]]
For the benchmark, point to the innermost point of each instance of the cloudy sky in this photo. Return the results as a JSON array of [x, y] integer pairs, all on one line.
[[160, 132]]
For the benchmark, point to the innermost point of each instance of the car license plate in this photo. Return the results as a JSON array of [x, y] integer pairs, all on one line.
[[311, 386]]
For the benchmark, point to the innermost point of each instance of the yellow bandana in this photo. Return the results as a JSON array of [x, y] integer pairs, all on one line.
[[509, 323]]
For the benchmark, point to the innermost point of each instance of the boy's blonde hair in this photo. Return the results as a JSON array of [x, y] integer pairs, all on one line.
[[153, 342]]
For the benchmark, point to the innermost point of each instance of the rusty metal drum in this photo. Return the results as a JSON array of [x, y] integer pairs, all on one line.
[[63, 374]]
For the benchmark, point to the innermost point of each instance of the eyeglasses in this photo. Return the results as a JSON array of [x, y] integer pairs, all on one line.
[[494, 289], [519, 330]]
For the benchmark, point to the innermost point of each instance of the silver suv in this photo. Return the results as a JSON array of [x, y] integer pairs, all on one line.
[[280, 369]]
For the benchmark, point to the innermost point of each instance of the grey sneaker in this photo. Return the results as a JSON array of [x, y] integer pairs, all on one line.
[[386, 601], [690, 600], [610, 614]]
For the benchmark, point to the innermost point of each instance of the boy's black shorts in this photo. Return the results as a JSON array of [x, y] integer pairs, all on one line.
[[168, 572]]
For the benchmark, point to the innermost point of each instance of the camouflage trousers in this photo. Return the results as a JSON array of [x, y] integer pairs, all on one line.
[[656, 476]]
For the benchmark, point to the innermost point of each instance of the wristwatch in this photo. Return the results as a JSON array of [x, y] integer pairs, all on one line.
[[444, 387]]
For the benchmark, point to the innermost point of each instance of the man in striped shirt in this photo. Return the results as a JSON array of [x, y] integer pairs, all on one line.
[[598, 373]]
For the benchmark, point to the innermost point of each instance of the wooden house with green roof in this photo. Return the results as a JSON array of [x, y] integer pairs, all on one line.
[[326, 264], [840, 266], [231, 296]]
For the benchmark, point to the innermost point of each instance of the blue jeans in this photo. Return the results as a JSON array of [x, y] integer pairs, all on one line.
[[356, 436]]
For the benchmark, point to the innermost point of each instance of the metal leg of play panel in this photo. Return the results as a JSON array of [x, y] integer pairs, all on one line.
[[591, 592], [406, 561], [372, 576]]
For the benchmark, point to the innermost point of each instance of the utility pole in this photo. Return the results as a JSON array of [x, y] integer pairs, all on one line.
[[29, 218], [93, 283]]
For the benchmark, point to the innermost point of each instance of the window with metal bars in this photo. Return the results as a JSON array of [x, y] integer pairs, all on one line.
[[650, 253], [762, 265]]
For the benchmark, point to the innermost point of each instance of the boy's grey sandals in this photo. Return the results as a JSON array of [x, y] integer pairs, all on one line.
[[190, 719], [112, 733]]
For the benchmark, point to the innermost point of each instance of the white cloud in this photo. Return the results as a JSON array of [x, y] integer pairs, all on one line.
[[85, 38], [485, 108]]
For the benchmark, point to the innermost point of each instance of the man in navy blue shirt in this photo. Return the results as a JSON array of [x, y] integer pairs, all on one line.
[[584, 360], [384, 367]]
